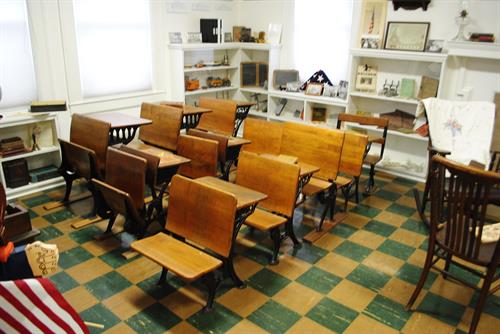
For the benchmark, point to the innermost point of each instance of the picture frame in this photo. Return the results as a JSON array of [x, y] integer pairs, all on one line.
[[370, 42], [434, 45], [366, 78], [406, 36], [373, 15], [175, 37], [330, 91], [194, 37], [228, 37], [314, 89]]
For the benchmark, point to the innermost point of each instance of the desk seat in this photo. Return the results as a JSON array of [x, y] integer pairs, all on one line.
[[184, 260], [264, 220], [167, 158], [315, 186]]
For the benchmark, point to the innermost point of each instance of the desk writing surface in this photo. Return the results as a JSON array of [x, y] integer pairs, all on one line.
[[241, 104], [245, 197], [306, 169], [167, 159], [187, 109], [119, 120]]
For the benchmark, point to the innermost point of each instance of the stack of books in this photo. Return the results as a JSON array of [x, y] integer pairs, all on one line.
[[10, 146], [480, 37]]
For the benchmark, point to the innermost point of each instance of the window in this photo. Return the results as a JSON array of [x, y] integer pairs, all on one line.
[[17, 71], [322, 37], [113, 45]]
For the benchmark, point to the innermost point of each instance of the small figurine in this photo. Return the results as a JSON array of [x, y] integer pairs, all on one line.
[[35, 136]]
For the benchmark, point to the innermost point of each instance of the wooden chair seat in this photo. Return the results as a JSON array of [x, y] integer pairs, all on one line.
[[264, 220], [342, 181], [182, 259], [316, 185]]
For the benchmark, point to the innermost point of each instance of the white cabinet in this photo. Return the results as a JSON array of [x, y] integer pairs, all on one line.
[[405, 153], [21, 125]]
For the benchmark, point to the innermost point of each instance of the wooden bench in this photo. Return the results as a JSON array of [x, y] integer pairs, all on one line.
[[202, 215], [278, 180]]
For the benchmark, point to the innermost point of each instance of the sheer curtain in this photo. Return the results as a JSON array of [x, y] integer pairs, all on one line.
[[322, 37], [114, 46], [17, 71]]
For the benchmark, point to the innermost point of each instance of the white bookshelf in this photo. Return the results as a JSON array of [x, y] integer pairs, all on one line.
[[21, 125]]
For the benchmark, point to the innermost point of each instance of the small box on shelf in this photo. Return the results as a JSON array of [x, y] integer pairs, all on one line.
[[16, 173]]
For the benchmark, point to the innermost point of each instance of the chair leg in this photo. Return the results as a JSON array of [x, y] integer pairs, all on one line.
[[163, 277], [275, 236], [446, 266], [328, 204], [333, 200], [356, 182], [111, 223], [69, 185], [482, 298], [423, 277], [291, 233], [211, 282], [370, 184]]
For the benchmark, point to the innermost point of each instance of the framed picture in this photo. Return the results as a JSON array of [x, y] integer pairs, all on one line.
[[175, 37], [228, 37], [366, 78], [370, 42], [314, 89], [194, 37], [330, 91], [406, 36], [373, 13], [434, 45]]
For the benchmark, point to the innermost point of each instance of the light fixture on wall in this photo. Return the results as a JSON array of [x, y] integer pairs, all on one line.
[[410, 4]]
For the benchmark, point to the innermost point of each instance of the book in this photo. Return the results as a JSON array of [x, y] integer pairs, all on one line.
[[428, 87], [50, 105]]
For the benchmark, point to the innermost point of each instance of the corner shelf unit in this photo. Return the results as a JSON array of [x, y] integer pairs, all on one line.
[[405, 153], [21, 125]]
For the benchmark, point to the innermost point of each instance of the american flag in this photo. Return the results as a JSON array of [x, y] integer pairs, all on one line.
[[318, 77], [36, 306]]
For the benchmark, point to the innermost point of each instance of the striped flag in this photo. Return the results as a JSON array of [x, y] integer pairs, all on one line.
[[36, 306]]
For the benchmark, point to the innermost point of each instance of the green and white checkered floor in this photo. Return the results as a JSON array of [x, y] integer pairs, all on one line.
[[355, 279]]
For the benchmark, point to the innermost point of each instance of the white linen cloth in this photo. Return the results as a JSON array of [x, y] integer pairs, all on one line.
[[463, 128]]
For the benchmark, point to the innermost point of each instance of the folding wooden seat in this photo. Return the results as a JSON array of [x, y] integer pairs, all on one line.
[[221, 139], [123, 189], [166, 126], [319, 147], [221, 119], [278, 180], [203, 154], [371, 158], [353, 153], [199, 214], [265, 136]]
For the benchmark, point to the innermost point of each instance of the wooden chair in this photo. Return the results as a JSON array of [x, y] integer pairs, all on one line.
[[221, 139], [319, 147], [264, 135], [351, 163], [203, 154], [123, 190], [204, 216], [456, 228], [371, 159], [279, 181], [166, 126], [221, 119]]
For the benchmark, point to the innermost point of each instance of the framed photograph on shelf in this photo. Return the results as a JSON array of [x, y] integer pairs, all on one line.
[[434, 45], [373, 14], [406, 36], [228, 37], [194, 37], [175, 37], [314, 89], [366, 78]]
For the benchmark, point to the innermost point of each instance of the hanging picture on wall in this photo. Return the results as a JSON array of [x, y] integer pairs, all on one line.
[[406, 36], [373, 13]]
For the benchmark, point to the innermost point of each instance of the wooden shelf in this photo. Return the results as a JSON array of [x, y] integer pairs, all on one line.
[[309, 98], [209, 68], [210, 90], [384, 98], [413, 136], [400, 55], [34, 187], [223, 46], [254, 90], [258, 114], [43, 150], [474, 49]]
